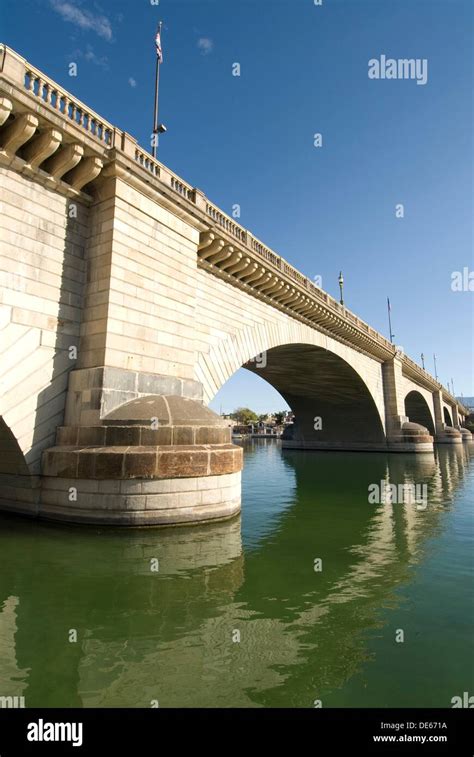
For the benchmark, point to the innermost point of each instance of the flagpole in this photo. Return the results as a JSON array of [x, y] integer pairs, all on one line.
[[157, 84], [390, 321]]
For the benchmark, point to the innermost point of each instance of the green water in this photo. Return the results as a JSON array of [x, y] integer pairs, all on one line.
[[305, 635]]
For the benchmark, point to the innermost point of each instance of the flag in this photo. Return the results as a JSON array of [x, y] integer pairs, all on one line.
[[159, 51]]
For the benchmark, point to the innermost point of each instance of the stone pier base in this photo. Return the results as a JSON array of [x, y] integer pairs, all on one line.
[[411, 437], [140, 501], [154, 461], [449, 435]]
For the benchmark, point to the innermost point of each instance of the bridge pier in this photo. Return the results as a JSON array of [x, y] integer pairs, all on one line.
[[402, 435], [155, 460], [446, 434]]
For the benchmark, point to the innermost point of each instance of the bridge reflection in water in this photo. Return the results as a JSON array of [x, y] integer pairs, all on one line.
[[304, 634]]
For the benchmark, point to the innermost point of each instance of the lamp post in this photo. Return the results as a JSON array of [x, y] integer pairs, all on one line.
[[423, 361], [389, 311], [436, 372], [341, 287], [157, 127]]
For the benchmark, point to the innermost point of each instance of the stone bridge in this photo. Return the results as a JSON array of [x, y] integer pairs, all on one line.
[[127, 300]]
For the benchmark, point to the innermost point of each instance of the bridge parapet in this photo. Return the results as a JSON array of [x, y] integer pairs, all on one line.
[[47, 91]]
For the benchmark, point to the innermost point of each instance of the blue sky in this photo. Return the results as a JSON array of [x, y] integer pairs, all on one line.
[[249, 139]]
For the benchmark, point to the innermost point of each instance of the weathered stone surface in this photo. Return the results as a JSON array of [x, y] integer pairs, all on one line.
[[86, 464], [207, 435], [183, 435], [182, 462], [115, 378], [192, 389], [226, 460], [133, 504], [148, 383], [122, 436], [67, 435], [108, 463], [156, 436], [91, 435], [60, 462], [123, 462], [111, 399], [140, 464]]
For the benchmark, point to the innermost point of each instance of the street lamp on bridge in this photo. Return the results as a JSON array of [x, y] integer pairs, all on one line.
[[341, 287]]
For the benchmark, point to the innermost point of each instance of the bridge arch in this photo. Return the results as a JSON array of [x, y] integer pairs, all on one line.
[[317, 376], [447, 416], [330, 400], [418, 410]]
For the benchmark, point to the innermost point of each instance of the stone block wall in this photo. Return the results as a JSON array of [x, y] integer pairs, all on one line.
[[142, 501], [141, 287], [42, 264]]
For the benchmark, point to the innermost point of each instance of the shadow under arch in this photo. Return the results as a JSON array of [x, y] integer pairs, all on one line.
[[12, 460], [318, 384], [447, 417], [18, 487], [418, 411]]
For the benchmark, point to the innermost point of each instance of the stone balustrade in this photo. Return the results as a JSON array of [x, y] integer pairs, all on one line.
[[147, 162], [39, 85]]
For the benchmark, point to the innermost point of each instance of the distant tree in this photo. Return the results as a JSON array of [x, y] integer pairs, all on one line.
[[263, 417], [280, 417], [244, 415], [469, 424]]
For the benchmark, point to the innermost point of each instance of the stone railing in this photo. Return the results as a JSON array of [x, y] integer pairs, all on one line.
[[147, 162], [17, 71], [63, 102], [226, 223], [182, 188], [265, 253]]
